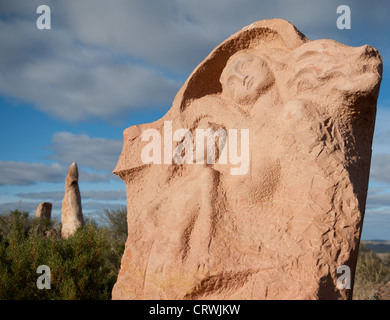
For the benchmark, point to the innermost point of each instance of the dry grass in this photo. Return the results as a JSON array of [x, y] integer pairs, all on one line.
[[372, 271]]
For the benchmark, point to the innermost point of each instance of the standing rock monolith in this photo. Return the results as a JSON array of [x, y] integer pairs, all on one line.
[[254, 184], [44, 210], [72, 215]]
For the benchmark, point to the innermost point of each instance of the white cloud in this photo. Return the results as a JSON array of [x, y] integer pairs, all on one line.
[[74, 82], [156, 32], [96, 158], [380, 168], [106, 58], [178, 34], [42, 196], [376, 221], [24, 173], [376, 226], [96, 153], [30, 207], [381, 140], [109, 195], [91, 209], [379, 201]]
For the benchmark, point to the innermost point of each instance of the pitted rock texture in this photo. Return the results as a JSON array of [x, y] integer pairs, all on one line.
[[281, 230], [44, 210], [71, 215]]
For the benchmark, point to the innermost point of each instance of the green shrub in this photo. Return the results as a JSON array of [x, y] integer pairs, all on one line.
[[84, 266], [115, 221]]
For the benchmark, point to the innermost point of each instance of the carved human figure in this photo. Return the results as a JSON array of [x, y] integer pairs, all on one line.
[[281, 230], [245, 77]]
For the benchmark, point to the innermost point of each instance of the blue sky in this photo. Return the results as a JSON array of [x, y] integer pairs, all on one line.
[[67, 94]]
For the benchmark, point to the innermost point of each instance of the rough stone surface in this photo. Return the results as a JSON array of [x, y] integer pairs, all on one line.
[[281, 230], [72, 215], [44, 210]]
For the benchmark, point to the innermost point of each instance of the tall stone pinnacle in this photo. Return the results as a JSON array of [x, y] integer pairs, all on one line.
[[72, 215]]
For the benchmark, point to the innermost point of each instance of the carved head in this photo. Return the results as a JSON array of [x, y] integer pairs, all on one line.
[[245, 77], [192, 227]]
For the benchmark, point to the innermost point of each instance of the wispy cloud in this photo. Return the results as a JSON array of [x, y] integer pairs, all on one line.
[[27, 206], [110, 195], [96, 153], [90, 208], [67, 79], [379, 201], [375, 226], [376, 221], [105, 58], [380, 168], [381, 141], [25, 173]]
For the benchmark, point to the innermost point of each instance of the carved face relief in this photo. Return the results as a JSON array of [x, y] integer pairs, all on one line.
[[282, 229], [245, 78]]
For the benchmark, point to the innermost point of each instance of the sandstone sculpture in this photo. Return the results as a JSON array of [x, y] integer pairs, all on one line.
[[72, 215], [282, 228], [44, 210]]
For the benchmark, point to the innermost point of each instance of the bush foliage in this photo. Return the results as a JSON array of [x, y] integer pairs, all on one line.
[[371, 271], [85, 266]]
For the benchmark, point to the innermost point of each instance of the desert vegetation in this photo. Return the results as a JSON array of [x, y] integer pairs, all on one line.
[[85, 266], [372, 275]]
